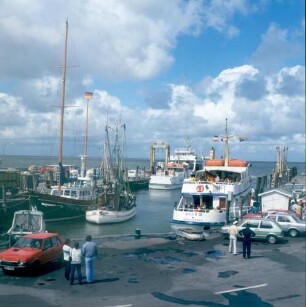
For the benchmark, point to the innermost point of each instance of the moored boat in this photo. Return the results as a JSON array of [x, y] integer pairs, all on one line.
[[137, 179], [116, 203], [72, 196], [187, 156], [216, 194], [170, 177], [25, 222]]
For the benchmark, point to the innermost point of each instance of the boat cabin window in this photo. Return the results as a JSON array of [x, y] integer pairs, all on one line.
[[203, 201], [222, 202], [73, 194], [67, 192]]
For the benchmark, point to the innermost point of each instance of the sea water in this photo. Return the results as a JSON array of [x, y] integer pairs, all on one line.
[[154, 207]]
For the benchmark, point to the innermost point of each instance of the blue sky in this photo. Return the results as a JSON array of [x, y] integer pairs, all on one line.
[[168, 69]]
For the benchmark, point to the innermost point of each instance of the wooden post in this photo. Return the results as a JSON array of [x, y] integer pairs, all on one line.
[[4, 198]]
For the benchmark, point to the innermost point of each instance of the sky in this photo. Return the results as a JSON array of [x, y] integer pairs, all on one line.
[[169, 70]]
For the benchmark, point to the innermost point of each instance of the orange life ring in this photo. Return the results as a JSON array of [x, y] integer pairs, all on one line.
[[200, 188]]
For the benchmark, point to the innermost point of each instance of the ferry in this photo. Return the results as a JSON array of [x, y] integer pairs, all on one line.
[[218, 193]]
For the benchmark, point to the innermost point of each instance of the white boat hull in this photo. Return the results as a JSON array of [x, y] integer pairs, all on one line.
[[158, 182], [102, 216], [212, 218]]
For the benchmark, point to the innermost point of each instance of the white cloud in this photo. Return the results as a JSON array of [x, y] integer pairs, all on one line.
[[277, 46]]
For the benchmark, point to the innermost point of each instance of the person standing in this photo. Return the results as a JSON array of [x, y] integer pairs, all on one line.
[[298, 209], [76, 262], [233, 232], [247, 234], [66, 257], [304, 212], [89, 251]]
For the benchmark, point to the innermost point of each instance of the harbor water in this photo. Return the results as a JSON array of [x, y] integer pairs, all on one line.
[[154, 207]]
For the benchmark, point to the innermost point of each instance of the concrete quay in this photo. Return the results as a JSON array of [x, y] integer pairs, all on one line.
[[163, 271]]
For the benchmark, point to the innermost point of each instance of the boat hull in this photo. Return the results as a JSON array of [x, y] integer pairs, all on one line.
[[138, 184], [211, 218], [58, 209], [156, 186], [103, 216], [158, 182]]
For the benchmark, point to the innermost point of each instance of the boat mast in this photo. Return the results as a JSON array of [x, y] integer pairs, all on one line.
[[61, 131], [88, 96], [226, 137]]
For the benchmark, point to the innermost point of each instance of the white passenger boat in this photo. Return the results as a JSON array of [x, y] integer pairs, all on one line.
[[187, 156], [170, 177], [219, 192]]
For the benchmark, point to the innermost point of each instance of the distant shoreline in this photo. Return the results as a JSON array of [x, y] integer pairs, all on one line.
[[127, 159]]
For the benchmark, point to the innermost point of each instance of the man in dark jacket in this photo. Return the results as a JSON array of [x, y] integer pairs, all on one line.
[[246, 243]]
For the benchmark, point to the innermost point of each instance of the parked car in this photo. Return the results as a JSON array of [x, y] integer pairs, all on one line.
[[31, 251], [263, 214], [290, 223], [265, 229]]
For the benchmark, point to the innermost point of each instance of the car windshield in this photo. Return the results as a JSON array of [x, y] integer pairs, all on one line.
[[28, 242]]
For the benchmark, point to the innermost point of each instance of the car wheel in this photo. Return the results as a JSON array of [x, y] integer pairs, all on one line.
[[271, 239], [293, 233]]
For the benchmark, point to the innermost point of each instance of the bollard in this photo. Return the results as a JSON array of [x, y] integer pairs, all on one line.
[[137, 233]]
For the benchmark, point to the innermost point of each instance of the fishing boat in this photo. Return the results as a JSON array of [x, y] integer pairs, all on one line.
[[71, 197], [116, 203], [137, 179], [218, 193]]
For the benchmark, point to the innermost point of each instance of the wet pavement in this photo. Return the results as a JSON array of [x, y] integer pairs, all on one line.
[[163, 271]]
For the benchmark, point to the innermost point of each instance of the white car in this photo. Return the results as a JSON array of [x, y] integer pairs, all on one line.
[[290, 223]]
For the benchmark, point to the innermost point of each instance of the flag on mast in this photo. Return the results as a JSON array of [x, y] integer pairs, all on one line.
[[88, 95], [216, 138]]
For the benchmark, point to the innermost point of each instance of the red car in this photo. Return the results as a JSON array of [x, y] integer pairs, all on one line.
[[31, 251]]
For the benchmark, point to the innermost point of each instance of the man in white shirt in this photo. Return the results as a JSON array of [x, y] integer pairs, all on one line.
[[233, 231], [66, 256]]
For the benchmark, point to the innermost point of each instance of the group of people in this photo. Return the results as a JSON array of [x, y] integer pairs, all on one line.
[[247, 234], [73, 259]]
